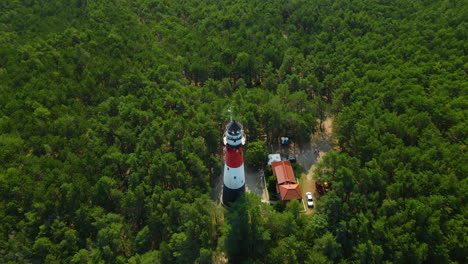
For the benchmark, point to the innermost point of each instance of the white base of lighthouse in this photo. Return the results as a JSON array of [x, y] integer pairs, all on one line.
[[234, 178], [234, 183]]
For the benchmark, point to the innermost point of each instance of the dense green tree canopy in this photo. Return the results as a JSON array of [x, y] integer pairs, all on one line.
[[256, 154], [112, 113]]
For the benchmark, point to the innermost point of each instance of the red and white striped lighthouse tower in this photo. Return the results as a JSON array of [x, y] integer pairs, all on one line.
[[234, 178]]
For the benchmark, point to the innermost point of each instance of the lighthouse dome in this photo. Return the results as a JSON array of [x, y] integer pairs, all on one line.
[[234, 136], [234, 127]]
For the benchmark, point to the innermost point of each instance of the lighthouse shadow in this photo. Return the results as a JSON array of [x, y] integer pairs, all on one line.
[[245, 238]]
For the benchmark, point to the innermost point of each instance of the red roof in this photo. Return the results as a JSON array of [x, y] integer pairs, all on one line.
[[283, 172], [286, 184], [289, 192]]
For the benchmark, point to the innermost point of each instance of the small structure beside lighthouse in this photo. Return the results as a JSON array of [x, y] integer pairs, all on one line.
[[234, 178]]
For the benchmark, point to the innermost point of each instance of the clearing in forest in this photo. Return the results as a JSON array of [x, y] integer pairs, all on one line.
[[308, 155]]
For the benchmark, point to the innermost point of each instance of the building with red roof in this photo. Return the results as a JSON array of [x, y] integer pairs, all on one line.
[[286, 185]]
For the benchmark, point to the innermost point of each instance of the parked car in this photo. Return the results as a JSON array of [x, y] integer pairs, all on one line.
[[320, 188], [310, 201]]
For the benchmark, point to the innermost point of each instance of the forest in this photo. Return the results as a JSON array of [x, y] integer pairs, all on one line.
[[112, 114]]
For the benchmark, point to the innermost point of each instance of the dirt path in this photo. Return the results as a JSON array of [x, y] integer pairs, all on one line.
[[254, 183], [321, 142]]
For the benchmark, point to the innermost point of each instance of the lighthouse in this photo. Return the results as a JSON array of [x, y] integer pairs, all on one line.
[[234, 178]]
